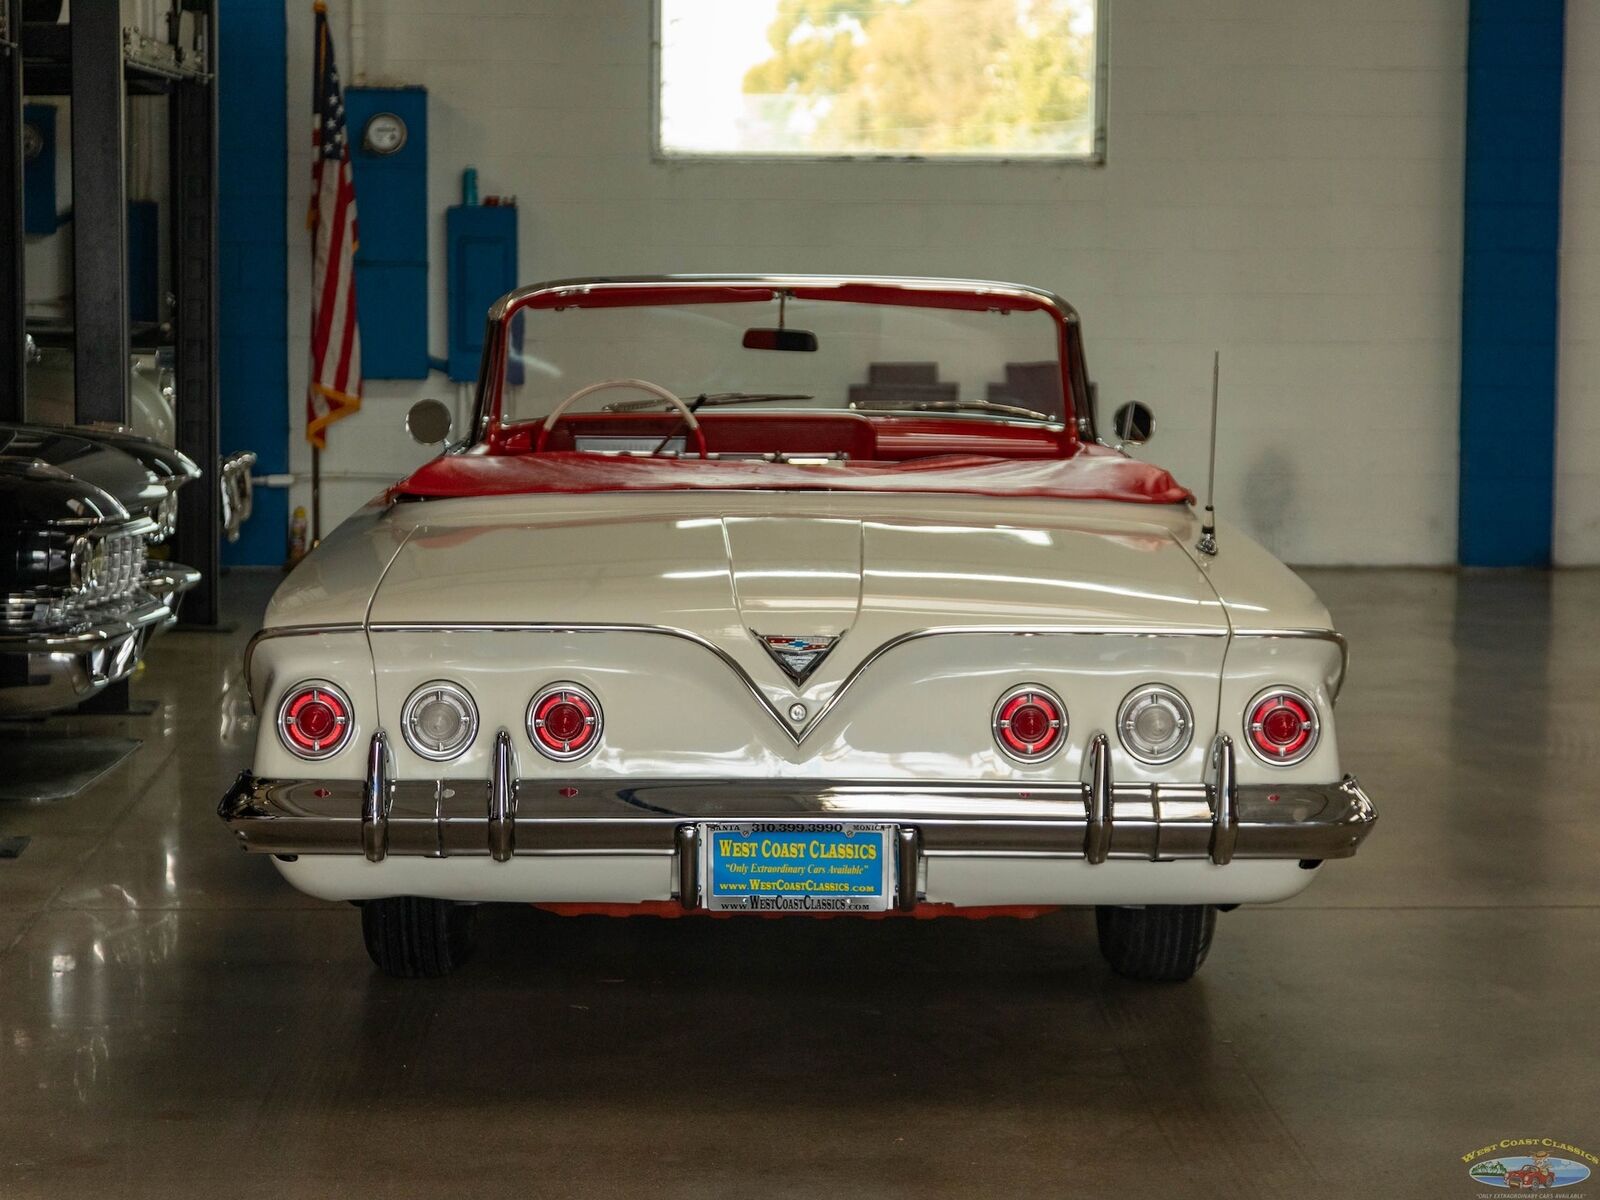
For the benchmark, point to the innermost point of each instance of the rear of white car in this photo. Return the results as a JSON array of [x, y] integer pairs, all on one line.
[[1010, 706]]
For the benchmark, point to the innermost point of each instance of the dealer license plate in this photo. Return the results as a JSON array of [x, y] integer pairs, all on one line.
[[799, 866]]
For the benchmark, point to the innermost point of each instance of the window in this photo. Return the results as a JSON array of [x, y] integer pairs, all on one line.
[[868, 356], [1015, 79]]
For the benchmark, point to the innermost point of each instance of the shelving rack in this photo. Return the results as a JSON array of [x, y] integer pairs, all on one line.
[[99, 63]]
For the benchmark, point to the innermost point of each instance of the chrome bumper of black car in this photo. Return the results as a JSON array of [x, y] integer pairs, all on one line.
[[501, 817], [47, 670]]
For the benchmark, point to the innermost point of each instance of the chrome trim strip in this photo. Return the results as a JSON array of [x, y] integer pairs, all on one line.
[[503, 801], [1224, 800], [959, 630], [1322, 635], [277, 631], [558, 627], [1097, 833], [686, 844], [375, 801], [909, 283], [907, 863]]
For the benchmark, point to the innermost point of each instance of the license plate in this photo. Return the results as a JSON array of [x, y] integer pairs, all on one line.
[[777, 866]]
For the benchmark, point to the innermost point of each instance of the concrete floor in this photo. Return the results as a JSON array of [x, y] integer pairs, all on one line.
[[175, 1020]]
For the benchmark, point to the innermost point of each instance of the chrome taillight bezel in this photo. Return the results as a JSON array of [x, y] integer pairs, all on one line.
[[1136, 702], [556, 749], [1253, 725], [453, 694], [999, 725], [319, 750]]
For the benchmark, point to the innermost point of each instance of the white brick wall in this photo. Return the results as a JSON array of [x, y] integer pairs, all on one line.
[[1283, 183], [1577, 532]]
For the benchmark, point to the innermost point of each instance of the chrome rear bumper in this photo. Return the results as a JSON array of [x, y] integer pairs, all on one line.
[[506, 817]]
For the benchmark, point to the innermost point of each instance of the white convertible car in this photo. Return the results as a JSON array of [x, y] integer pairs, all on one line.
[[791, 594]]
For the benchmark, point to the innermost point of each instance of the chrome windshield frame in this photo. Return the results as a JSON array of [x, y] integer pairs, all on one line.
[[491, 374]]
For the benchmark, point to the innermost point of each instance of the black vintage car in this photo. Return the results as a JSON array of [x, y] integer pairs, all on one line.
[[80, 594]]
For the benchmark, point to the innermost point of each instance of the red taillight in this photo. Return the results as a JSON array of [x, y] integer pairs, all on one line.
[[314, 720], [564, 721], [1282, 726], [1030, 723]]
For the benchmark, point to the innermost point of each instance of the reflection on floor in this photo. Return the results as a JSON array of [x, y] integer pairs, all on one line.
[[175, 1021], [43, 765]]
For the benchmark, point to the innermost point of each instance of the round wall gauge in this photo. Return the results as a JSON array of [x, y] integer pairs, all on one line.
[[385, 133], [32, 141]]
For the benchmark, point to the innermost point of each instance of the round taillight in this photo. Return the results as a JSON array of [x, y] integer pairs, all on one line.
[[565, 722], [315, 719], [1281, 726], [1030, 723], [439, 720], [1155, 724]]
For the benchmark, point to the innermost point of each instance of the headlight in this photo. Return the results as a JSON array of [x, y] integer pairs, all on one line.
[[1155, 724]]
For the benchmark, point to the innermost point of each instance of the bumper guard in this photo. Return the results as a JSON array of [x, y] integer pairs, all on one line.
[[1097, 819]]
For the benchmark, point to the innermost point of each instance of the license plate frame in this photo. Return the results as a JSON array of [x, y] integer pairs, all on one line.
[[826, 861]]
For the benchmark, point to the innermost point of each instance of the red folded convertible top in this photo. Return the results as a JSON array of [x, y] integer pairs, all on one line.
[[1093, 473]]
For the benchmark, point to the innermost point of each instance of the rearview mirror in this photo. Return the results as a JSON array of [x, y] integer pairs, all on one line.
[[1135, 423], [428, 422], [780, 339]]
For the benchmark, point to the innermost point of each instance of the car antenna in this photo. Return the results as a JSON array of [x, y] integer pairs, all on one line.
[[1208, 525]]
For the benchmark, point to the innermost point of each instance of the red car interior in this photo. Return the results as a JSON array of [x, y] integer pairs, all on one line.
[[841, 450]]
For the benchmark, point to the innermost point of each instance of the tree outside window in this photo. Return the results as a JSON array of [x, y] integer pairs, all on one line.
[[866, 78]]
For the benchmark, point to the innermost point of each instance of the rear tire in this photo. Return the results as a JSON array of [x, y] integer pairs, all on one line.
[[1160, 943], [414, 938]]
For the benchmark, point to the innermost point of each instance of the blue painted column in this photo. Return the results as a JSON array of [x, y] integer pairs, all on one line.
[[253, 341], [1509, 305]]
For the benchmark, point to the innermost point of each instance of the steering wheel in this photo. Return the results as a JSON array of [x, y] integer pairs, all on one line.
[[642, 385]]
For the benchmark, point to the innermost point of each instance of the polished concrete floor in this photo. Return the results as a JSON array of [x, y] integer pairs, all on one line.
[[175, 1021]]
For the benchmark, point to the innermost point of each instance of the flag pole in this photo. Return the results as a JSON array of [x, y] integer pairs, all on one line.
[[316, 495]]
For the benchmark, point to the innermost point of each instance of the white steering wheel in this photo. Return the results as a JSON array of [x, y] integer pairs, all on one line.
[[642, 385]]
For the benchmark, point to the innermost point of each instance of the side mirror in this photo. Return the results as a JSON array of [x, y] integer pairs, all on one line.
[[1135, 423], [428, 422]]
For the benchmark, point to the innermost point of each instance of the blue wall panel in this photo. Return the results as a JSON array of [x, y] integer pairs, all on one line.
[[1512, 226], [253, 306]]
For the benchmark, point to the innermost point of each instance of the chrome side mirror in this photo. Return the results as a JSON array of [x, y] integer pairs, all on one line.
[[428, 422], [1135, 423]]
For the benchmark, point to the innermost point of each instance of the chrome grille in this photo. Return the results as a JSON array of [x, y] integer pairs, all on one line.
[[119, 558]]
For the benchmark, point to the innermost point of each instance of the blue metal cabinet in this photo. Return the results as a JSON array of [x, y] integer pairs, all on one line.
[[482, 242], [392, 212]]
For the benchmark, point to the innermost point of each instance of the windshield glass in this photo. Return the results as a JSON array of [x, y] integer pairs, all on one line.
[[789, 354]]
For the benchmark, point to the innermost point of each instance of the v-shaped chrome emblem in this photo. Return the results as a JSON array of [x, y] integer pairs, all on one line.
[[798, 656]]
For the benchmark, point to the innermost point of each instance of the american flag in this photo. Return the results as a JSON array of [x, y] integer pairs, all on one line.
[[335, 341]]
